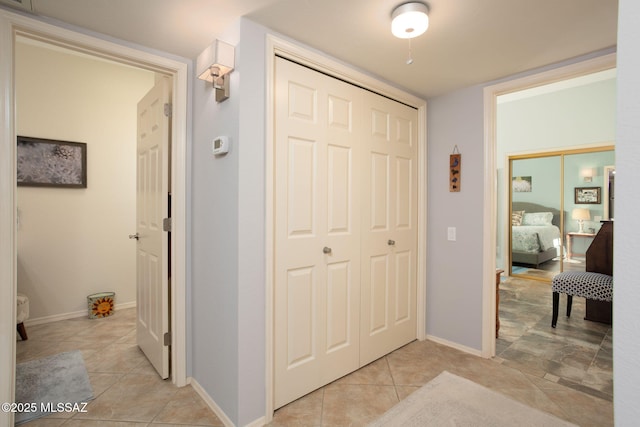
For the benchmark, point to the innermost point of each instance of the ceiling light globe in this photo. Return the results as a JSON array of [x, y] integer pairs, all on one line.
[[409, 20]]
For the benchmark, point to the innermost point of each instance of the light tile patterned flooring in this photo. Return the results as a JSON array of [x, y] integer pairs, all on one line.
[[129, 392]]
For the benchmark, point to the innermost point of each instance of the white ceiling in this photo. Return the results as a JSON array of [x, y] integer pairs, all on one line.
[[468, 41]]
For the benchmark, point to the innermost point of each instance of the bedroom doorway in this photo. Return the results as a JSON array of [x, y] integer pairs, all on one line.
[[556, 204]]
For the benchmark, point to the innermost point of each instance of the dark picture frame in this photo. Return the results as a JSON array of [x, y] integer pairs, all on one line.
[[587, 196], [51, 163]]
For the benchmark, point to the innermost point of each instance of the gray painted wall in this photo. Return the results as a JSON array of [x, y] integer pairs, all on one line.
[[252, 224], [454, 269], [214, 243], [626, 293], [228, 285]]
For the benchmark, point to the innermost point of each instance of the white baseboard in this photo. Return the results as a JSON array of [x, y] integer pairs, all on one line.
[[72, 315], [455, 345], [210, 402], [258, 423], [216, 409]]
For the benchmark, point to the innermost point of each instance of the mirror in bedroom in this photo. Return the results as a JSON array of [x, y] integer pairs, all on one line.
[[586, 202], [536, 220], [557, 202]]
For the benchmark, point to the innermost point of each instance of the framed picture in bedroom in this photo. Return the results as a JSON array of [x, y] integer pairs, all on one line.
[[521, 184], [587, 195], [51, 163]]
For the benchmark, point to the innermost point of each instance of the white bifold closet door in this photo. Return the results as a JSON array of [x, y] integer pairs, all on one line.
[[389, 228], [338, 188]]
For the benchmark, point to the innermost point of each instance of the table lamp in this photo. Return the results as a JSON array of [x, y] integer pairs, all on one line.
[[581, 215]]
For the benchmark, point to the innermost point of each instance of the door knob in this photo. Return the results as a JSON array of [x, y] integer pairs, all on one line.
[[326, 250], [391, 242], [134, 236]]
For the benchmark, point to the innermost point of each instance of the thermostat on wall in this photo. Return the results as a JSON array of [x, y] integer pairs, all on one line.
[[220, 145]]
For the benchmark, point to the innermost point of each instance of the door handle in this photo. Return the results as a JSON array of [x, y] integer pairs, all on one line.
[[391, 242], [134, 236], [326, 250]]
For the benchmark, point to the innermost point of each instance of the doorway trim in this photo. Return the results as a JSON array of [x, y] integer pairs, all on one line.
[[491, 94], [606, 195], [280, 47], [10, 25]]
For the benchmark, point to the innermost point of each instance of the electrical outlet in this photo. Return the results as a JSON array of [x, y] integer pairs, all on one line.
[[451, 234]]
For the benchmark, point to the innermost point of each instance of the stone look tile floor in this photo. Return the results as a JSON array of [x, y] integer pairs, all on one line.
[[565, 372], [577, 353]]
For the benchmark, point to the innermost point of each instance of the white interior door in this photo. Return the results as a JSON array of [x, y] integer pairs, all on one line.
[[317, 230], [389, 235], [152, 241]]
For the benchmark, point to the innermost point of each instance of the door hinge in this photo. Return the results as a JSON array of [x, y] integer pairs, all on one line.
[[166, 224], [168, 108], [167, 339]]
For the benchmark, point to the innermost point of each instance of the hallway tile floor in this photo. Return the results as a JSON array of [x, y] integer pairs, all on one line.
[[128, 392], [565, 372]]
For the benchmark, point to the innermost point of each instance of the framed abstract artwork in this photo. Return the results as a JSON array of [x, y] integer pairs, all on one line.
[[51, 163]]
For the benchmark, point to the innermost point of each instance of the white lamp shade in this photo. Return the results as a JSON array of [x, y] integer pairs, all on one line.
[[581, 214], [220, 54], [409, 20]]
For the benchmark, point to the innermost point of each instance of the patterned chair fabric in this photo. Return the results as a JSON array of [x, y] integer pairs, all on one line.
[[595, 286]]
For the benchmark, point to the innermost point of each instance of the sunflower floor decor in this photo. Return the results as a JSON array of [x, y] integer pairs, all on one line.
[[101, 304]]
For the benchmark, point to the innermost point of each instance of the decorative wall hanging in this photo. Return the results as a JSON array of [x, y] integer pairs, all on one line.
[[50, 163], [587, 195], [455, 168]]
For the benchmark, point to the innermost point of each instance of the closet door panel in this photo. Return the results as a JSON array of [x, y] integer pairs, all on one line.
[[403, 193], [340, 193], [389, 229], [317, 231], [379, 194], [302, 169]]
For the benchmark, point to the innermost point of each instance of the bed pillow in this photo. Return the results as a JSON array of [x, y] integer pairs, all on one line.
[[537, 218], [516, 217]]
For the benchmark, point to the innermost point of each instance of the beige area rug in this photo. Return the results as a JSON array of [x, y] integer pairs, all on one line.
[[449, 400]]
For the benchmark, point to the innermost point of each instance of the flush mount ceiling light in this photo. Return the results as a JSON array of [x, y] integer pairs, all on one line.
[[409, 20]]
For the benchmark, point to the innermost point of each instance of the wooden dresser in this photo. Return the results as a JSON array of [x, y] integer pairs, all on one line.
[[600, 260]]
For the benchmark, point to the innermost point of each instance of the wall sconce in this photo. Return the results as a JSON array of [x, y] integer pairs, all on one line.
[[214, 65], [587, 174]]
